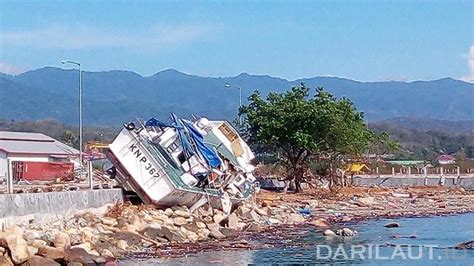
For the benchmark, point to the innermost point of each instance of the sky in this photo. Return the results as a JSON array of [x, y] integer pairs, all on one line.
[[361, 40]]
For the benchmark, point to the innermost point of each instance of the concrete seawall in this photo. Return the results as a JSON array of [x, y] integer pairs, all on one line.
[[409, 181], [15, 208]]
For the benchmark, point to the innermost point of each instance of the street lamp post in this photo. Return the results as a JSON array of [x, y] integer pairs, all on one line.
[[80, 109], [240, 101]]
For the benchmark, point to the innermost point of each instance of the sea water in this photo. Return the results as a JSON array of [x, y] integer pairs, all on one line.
[[418, 241]]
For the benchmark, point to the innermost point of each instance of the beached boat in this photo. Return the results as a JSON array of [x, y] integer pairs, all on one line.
[[184, 162]]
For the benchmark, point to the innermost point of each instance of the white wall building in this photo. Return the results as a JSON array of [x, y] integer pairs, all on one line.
[[31, 147]]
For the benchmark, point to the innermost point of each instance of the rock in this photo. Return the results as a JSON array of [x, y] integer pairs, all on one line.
[[367, 201], [39, 261], [192, 236], [108, 221], [79, 255], [233, 221], [169, 212], [94, 252], [87, 246], [87, 234], [274, 220], [392, 225], [254, 215], [183, 213], [229, 232], [17, 246], [201, 225], [320, 222], [219, 217], [346, 232], [166, 232], [31, 235], [122, 244], [203, 233], [51, 252], [74, 264], [2, 251], [32, 250], [100, 260], [75, 239], [329, 232], [254, 227], [295, 218], [107, 253], [263, 211], [243, 210], [62, 241], [179, 221], [37, 243], [5, 260], [214, 231]]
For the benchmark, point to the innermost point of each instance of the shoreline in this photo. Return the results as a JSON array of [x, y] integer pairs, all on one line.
[[184, 250], [318, 221], [128, 232]]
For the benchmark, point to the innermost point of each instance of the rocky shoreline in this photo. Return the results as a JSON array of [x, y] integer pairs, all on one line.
[[126, 230]]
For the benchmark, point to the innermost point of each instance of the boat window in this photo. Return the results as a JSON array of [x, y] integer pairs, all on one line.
[[228, 132], [181, 158]]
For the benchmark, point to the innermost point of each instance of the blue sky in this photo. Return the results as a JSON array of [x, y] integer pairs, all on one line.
[[362, 40]]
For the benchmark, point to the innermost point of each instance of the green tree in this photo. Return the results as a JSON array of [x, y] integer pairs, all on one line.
[[68, 137], [300, 128]]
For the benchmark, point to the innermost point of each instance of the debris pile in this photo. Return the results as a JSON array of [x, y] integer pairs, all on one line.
[[145, 230], [130, 229]]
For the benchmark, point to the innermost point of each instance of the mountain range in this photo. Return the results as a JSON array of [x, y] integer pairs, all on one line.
[[117, 96]]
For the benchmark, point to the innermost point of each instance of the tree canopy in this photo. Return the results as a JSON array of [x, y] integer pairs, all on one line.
[[300, 127]]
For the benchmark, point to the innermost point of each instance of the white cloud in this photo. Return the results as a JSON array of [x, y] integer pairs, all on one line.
[[470, 63], [80, 37], [10, 69]]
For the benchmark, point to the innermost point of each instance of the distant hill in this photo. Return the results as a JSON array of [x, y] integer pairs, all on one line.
[[112, 97], [429, 124]]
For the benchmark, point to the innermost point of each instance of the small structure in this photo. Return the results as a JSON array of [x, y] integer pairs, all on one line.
[[446, 159], [356, 168], [34, 156]]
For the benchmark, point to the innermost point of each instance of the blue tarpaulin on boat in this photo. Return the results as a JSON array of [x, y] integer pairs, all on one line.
[[153, 122], [209, 154], [187, 148]]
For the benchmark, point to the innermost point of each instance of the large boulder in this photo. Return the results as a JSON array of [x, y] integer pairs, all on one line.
[[51, 252], [5, 260], [182, 213], [179, 220], [122, 244], [164, 232], [17, 246], [40, 261], [214, 231], [79, 255], [62, 241]]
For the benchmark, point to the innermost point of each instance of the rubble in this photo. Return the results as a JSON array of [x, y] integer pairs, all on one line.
[[133, 230]]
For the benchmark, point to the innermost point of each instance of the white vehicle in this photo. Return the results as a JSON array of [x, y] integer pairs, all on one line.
[[184, 162]]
